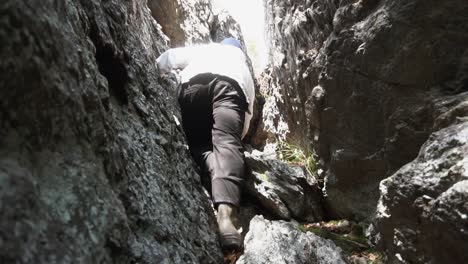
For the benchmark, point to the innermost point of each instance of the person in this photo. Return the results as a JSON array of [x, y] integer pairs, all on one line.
[[216, 100]]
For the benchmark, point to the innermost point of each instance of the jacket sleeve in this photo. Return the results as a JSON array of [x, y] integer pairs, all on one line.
[[177, 58]]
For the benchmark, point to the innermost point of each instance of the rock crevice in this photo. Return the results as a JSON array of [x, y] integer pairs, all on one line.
[[94, 166]]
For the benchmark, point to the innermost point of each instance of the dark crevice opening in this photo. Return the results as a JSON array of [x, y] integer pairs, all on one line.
[[114, 70], [464, 86], [112, 67]]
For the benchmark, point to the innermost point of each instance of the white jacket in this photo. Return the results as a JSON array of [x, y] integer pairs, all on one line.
[[213, 58]]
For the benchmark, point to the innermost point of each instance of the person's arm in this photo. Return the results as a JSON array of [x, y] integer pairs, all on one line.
[[177, 58]]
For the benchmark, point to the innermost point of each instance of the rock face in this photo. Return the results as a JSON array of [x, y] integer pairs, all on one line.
[[362, 82], [282, 242], [422, 215], [184, 21], [93, 167], [286, 191]]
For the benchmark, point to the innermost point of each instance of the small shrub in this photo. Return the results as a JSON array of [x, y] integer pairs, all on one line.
[[295, 155]]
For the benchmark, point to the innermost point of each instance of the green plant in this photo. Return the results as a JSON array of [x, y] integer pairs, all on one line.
[[293, 154]]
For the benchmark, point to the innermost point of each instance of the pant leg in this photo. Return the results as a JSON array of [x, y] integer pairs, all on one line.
[[195, 101], [213, 113], [226, 162]]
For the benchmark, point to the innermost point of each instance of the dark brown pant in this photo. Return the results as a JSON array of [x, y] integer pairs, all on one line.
[[213, 109]]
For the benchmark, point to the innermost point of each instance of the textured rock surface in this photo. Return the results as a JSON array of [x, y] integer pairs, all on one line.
[[188, 22], [93, 168], [184, 21], [362, 81], [282, 242], [423, 211], [287, 191], [224, 26]]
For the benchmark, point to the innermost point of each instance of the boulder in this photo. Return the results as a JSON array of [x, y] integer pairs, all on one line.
[[283, 242], [422, 215], [287, 191]]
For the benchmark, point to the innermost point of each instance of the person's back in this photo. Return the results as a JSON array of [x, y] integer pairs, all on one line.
[[216, 58]]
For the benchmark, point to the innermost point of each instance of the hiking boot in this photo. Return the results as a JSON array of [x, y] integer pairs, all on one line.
[[230, 238]]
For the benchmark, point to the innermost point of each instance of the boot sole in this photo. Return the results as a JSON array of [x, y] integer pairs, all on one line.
[[230, 241]]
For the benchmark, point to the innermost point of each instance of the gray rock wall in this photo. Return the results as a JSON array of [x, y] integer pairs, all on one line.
[[93, 167], [362, 82]]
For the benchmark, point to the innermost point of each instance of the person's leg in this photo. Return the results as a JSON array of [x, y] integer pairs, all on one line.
[[195, 101], [226, 162], [213, 119]]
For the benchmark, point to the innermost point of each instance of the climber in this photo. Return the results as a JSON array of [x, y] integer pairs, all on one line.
[[216, 99]]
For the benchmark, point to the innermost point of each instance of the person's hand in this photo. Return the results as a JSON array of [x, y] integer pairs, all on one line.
[[170, 77], [173, 76]]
